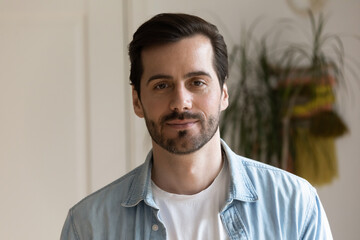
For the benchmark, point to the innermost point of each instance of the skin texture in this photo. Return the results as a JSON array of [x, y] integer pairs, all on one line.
[[181, 101]]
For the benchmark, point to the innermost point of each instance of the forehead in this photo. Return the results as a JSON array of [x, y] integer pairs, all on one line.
[[194, 40], [186, 54]]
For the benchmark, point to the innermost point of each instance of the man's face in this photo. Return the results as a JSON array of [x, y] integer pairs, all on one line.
[[181, 98]]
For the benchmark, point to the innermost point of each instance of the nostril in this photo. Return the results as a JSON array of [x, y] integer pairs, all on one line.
[[180, 101]]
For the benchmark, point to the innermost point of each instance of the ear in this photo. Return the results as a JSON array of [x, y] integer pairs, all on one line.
[[137, 104], [224, 98]]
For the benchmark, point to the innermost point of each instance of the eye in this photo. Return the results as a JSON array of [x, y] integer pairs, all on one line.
[[198, 83], [160, 86]]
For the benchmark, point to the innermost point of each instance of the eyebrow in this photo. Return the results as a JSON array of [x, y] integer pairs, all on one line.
[[188, 75], [158, 76], [196, 74]]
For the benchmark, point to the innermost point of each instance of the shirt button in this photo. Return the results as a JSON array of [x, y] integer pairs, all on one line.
[[155, 227]]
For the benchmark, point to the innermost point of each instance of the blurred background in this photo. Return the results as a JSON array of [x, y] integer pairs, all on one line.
[[67, 126]]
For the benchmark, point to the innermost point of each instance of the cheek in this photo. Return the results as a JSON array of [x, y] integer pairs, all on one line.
[[154, 109], [210, 105]]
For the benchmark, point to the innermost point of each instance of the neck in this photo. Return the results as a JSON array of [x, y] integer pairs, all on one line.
[[189, 173]]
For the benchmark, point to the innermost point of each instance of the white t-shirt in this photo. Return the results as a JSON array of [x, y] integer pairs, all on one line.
[[190, 217]]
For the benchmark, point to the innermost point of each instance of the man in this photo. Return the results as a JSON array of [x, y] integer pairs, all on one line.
[[192, 186]]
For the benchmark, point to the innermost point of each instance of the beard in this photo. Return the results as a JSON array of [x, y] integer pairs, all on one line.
[[184, 142]]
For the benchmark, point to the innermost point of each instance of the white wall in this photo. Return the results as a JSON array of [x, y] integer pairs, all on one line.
[[42, 135], [63, 90]]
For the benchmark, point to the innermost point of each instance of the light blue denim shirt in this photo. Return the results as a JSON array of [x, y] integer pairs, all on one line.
[[263, 203]]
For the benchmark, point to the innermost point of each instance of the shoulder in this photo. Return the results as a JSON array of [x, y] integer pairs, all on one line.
[[283, 192], [261, 173], [288, 196], [267, 179], [110, 195], [99, 213]]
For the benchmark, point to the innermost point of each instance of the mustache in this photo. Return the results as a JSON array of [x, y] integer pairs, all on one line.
[[181, 116]]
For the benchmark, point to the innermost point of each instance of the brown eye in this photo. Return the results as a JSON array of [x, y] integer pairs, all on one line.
[[161, 86], [198, 83]]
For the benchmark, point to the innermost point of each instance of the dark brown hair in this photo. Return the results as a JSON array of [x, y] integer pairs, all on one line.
[[168, 28]]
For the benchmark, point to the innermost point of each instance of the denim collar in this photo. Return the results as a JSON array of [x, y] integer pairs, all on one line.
[[240, 188]]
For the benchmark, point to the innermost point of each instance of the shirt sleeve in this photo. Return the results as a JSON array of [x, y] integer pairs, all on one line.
[[317, 225], [68, 232]]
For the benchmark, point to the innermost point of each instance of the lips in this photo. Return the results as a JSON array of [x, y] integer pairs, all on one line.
[[181, 120], [179, 124]]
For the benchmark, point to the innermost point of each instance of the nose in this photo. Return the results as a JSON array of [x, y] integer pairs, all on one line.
[[181, 99]]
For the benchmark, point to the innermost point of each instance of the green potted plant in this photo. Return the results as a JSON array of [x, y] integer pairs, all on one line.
[[282, 106]]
